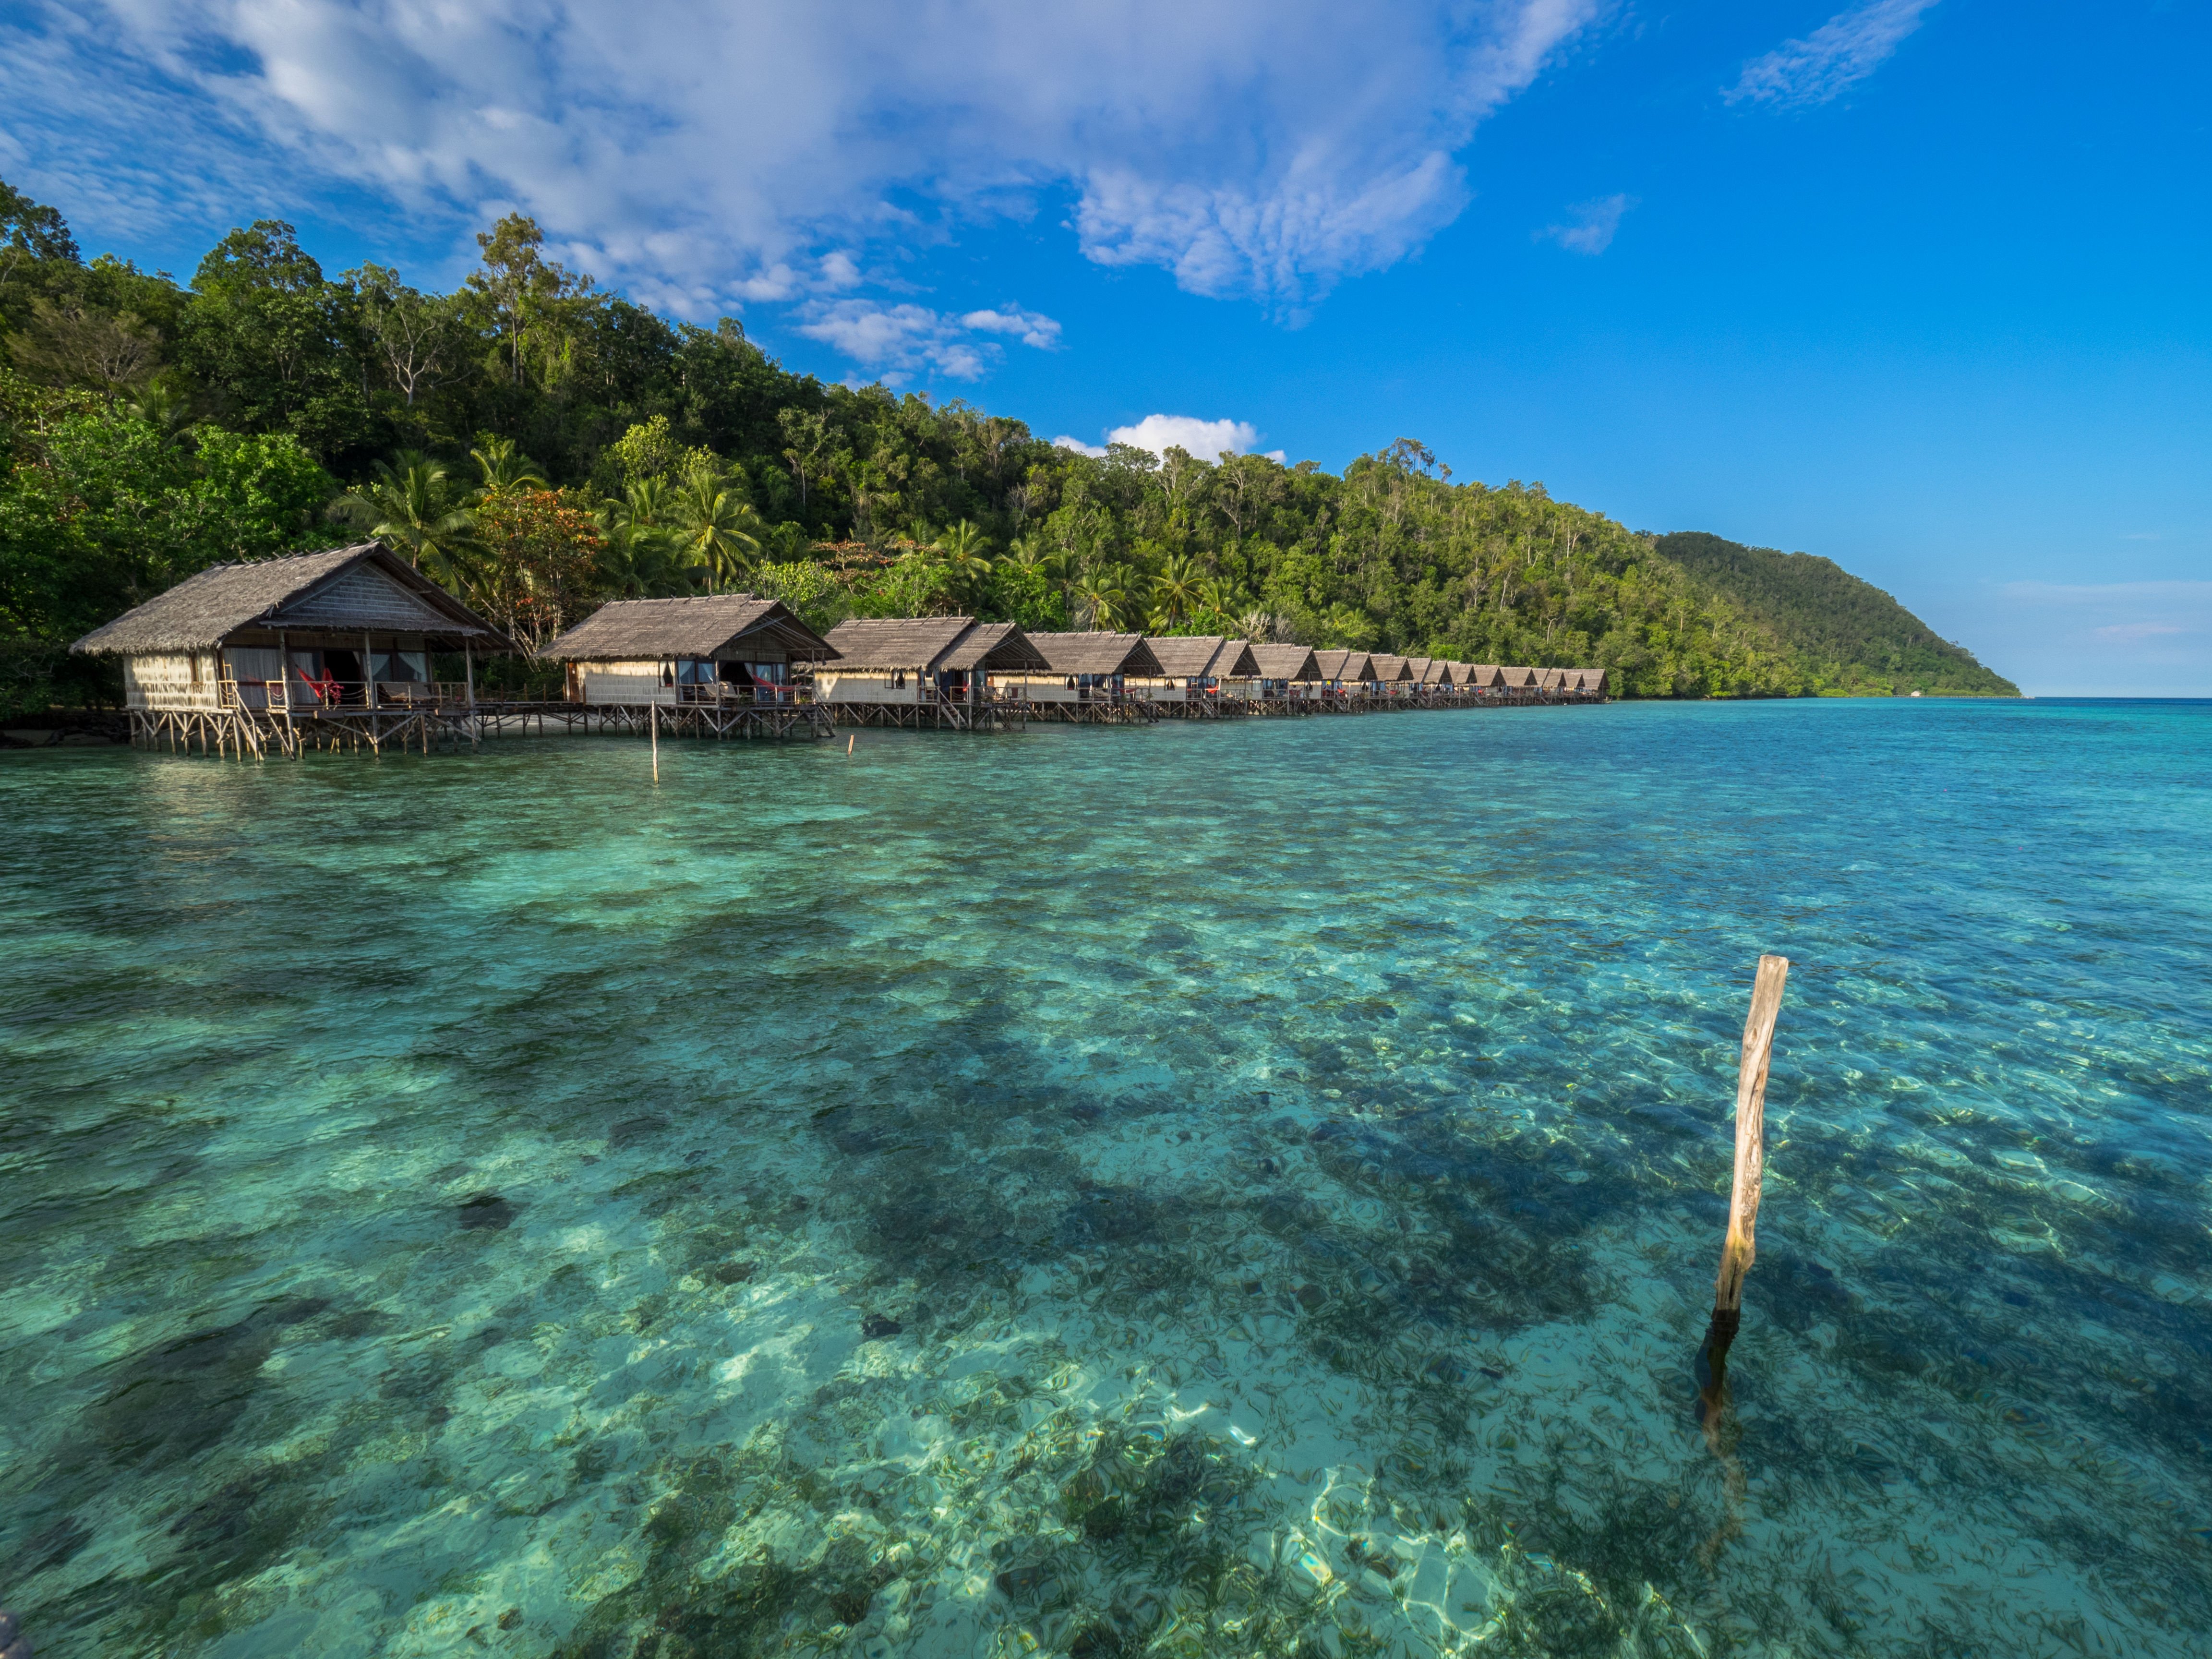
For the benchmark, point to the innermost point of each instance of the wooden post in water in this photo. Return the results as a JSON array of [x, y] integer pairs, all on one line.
[[1740, 1246], [653, 709]]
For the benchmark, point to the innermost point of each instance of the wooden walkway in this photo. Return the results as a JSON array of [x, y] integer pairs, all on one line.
[[262, 734]]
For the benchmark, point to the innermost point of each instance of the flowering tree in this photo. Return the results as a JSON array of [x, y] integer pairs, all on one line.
[[538, 565]]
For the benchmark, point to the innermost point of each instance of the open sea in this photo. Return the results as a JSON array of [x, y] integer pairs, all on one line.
[[1248, 1188]]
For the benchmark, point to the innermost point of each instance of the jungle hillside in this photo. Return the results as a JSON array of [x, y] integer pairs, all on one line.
[[1859, 640], [540, 446]]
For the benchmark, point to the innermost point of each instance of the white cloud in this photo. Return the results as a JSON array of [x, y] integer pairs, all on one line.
[[1591, 229], [1839, 54], [1032, 328], [1096, 451], [1258, 148], [902, 339], [1206, 439]]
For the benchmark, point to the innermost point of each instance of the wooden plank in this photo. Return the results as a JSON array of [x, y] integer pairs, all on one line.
[[1741, 1245]]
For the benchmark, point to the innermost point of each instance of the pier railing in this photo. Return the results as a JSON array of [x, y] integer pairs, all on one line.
[[300, 696], [719, 693]]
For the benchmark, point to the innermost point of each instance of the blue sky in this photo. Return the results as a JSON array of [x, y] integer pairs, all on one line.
[[1922, 287]]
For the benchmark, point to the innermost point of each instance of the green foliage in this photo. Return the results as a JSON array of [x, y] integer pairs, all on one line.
[[274, 348], [101, 507], [1861, 640], [648, 450], [700, 463], [810, 589]]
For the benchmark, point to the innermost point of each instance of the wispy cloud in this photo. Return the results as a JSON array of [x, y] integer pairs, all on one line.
[[1208, 439], [902, 340], [1591, 226], [710, 154], [1031, 328], [1836, 56]]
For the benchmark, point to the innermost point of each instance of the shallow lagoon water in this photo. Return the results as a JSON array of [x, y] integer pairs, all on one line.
[[1209, 1190]]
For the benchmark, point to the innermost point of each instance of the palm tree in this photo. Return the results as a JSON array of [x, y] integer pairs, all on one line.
[[412, 507], [1221, 597], [639, 556], [1175, 591], [1104, 592], [965, 553], [504, 471], [715, 528]]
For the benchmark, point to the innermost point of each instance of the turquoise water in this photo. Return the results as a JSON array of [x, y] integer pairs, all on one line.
[[1215, 1189]]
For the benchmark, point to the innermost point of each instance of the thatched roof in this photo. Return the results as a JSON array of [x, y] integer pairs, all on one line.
[[1592, 679], [1345, 664], [1235, 661], [1552, 680], [1285, 662], [1099, 653], [1185, 656], [711, 625], [1517, 679], [930, 645], [346, 590], [1484, 675], [993, 647], [1393, 668]]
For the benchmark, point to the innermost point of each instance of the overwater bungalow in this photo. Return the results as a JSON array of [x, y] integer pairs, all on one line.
[[1344, 674], [710, 649], [1237, 671], [1393, 676], [1087, 676], [1287, 671], [1518, 682], [921, 670], [1195, 670], [313, 650], [1481, 680]]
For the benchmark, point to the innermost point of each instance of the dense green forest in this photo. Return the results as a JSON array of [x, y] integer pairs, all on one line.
[[540, 445], [1860, 639]]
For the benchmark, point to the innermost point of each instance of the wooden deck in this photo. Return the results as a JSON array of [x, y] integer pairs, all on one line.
[[230, 727]]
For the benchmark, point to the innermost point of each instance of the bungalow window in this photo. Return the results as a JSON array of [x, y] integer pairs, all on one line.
[[402, 668], [694, 671]]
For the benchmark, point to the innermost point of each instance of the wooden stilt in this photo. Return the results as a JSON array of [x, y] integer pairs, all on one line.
[[1740, 1244]]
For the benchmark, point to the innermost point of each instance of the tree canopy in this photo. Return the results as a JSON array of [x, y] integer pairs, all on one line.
[[531, 432]]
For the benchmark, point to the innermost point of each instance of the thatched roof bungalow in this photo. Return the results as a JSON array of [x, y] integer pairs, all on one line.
[[699, 649], [1517, 680], [355, 625], [1091, 667], [1393, 676], [1193, 664], [918, 660], [1339, 670], [1285, 671]]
